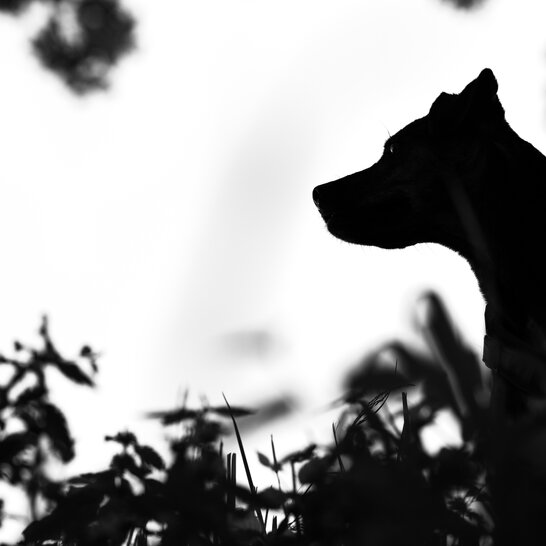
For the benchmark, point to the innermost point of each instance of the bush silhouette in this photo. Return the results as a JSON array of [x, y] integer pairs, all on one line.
[[375, 484]]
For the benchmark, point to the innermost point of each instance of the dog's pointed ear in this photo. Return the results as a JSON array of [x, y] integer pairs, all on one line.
[[445, 115], [482, 105], [476, 104], [486, 83], [482, 90]]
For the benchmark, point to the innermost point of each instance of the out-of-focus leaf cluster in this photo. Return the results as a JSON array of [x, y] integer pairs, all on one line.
[[81, 40], [33, 430], [466, 4]]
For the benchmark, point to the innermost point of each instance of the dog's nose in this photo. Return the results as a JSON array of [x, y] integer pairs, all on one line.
[[316, 196]]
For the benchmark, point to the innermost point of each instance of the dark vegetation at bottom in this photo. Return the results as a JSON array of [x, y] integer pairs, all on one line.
[[375, 484]]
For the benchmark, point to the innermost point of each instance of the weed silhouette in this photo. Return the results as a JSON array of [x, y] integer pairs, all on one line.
[[374, 484], [33, 430]]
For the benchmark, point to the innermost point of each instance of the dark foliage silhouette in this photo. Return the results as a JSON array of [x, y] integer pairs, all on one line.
[[82, 39], [376, 484], [33, 430], [461, 177], [103, 507]]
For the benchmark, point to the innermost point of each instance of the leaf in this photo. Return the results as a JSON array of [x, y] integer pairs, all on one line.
[[207, 432], [29, 395], [123, 462], [150, 456], [70, 519], [406, 437], [86, 351], [236, 411], [56, 428], [72, 371], [245, 464], [314, 470], [374, 379], [453, 467], [174, 416], [154, 488], [462, 365], [14, 444], [271, 498], [103, 481], [125, 438], [420, 368], [264, 460], [300, 456]]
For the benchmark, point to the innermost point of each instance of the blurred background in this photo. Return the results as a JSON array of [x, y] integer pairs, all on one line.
[[168, 221]]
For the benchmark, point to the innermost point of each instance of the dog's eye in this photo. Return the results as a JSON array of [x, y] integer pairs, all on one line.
[[391, 148]]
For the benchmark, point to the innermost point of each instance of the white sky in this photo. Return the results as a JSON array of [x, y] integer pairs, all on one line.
[[153, 220]]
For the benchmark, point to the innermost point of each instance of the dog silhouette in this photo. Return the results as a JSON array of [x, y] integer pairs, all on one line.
[[461, 177]]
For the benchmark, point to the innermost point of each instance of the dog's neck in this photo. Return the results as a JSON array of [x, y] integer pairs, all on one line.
[[513, 277]]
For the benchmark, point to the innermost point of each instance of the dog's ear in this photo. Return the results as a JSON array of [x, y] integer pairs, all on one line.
[[481, 103], [481, 92], [485, 84], [477, 104], [446, 115]]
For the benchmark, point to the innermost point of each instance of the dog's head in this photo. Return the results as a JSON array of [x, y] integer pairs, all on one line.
[[428, 173]]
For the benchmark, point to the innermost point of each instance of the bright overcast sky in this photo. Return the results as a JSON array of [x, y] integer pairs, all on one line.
[[155, 220]]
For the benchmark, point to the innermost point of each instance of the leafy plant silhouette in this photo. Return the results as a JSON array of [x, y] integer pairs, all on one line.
[[376, 484], [33, 430]]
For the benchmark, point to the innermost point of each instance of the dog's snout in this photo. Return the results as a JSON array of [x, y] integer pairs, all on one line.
[[316, 197]]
